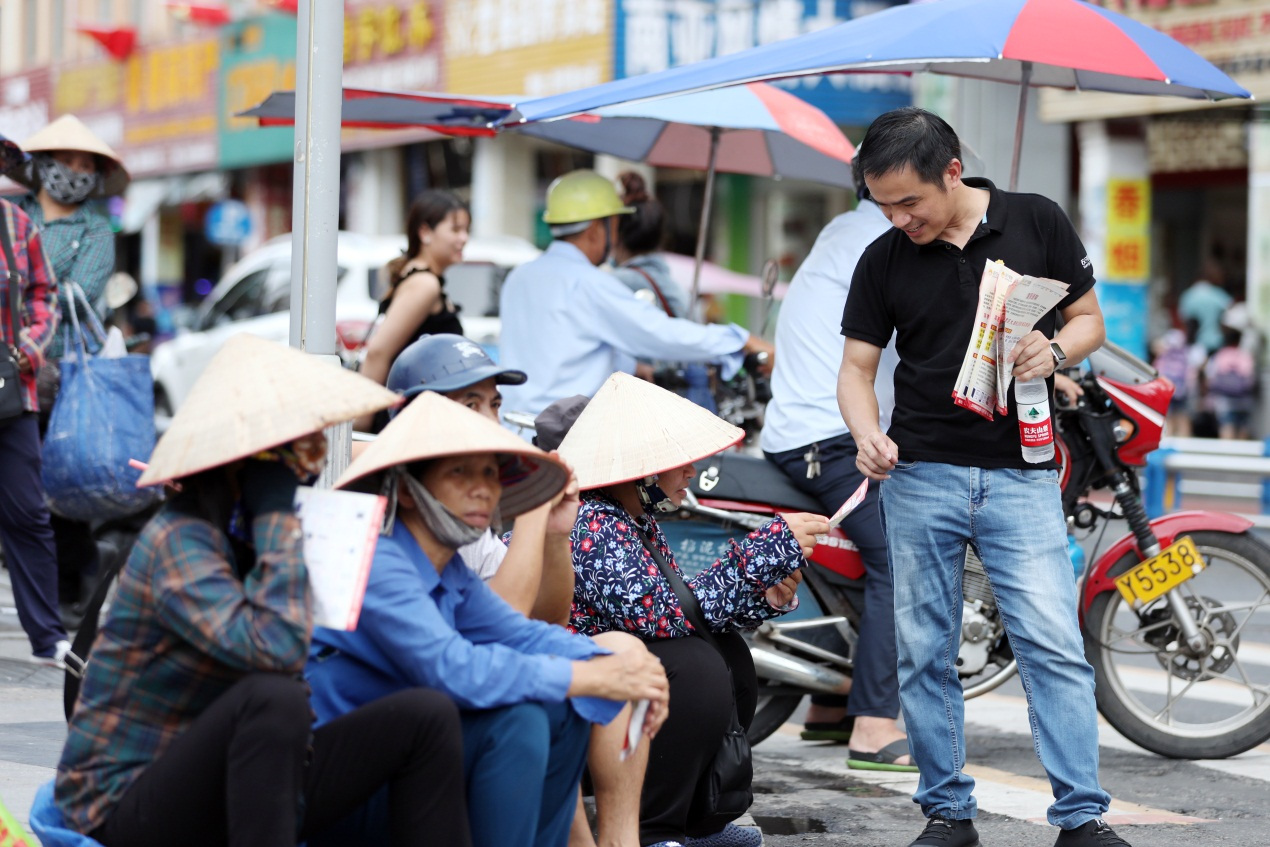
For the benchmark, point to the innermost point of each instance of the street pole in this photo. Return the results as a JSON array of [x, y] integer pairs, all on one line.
[[315, 200]]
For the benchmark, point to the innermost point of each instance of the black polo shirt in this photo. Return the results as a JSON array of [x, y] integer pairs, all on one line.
[[929, 295]]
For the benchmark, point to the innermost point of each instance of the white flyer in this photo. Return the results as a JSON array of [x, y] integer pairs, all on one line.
[[634, 729], [341, 529]]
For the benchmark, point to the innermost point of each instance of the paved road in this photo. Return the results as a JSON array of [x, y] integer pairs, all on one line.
[[805, 793]]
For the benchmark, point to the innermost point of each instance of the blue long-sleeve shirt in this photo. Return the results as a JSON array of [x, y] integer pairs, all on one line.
[[570, 325], [446, 631]]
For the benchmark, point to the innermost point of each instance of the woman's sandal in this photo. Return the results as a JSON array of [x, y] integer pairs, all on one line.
[[838, 731], [882, 760]]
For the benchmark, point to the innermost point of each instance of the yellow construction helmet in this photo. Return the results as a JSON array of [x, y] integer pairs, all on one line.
[[582, 196]]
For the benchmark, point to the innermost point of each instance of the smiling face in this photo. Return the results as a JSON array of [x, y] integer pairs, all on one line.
[[466, 485], [923, 210], [444, 243]]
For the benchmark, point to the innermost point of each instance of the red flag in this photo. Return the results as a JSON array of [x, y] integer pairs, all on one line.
[[118, 42], [207, 14]]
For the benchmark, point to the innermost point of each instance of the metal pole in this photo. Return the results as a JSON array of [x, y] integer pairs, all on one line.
[[315, 198], [1024, 85], [704, 229]]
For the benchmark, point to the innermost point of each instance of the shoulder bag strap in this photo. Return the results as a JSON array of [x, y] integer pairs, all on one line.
[[15, 294], [665, 304], [687, 600]]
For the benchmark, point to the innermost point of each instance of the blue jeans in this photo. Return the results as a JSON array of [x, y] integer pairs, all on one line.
[[523, 764], [1014, 519]]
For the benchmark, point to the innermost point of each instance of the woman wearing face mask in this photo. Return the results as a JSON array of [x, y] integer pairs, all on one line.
[[416, 305], [633, 449], [193, 725], [70, 166], [528, 691]]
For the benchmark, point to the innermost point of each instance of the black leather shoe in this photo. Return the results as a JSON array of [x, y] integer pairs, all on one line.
[[945, 832], [1095, 833]]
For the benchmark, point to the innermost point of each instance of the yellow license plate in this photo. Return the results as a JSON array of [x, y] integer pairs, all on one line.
[[1161, 573]]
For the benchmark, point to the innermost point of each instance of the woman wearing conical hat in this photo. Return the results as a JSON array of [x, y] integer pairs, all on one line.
[[528, 691], [192, 725], [633, 449]]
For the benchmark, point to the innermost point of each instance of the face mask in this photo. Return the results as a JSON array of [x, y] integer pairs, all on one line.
[[449, 528], [65, 185], [652, 497]]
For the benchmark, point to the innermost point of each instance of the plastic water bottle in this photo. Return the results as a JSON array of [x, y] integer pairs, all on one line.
[[1077, 554], [1036, 432]]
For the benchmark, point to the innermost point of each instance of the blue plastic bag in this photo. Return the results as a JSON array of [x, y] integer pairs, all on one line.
[[49, 826], [104, 416]]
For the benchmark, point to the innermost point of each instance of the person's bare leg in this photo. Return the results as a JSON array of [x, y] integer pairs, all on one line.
[[617, 783], [869, 735], [580, 834]]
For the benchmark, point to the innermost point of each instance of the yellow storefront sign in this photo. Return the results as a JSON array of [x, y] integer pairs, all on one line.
[[538, 48], [1128, 230]]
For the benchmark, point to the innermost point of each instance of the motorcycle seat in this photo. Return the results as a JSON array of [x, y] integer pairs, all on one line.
[[737, 477]]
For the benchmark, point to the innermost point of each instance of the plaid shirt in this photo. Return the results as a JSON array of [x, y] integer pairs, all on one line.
[[38, 293], [182, 629], [81, 248]]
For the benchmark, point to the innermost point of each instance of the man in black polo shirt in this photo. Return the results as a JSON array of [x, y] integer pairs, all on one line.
[[953, 478]]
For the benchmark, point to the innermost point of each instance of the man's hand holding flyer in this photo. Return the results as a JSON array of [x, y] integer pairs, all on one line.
[[1010, 304]]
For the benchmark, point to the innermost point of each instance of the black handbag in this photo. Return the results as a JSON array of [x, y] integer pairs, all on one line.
[[11, 388], [726, 789]]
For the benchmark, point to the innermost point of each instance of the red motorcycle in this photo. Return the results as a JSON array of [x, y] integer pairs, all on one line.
[[1171, 611]]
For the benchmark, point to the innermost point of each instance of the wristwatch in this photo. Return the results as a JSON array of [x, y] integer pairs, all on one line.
[[1060, 358]]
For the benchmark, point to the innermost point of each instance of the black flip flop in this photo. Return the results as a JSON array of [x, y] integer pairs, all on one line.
[[838, 731], [882, 760]]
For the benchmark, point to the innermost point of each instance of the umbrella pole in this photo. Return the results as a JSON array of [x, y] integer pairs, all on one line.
[[704, 228], [1024, 85]]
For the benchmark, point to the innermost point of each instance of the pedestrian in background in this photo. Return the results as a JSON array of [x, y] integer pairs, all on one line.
[[25, 534], [638, 248], [570, 325], [415, 304], [1205, 301], [951, 478], [804, 434], [69, 167]]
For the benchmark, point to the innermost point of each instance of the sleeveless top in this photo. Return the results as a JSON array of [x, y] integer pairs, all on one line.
[[444, 321]]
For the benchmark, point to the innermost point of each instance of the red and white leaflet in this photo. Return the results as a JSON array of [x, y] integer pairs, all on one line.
[[634, 729], [856, 498], [1029, 301]]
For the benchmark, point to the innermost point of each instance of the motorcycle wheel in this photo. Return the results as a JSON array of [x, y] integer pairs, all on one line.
[[775, 705], [1174, 701]]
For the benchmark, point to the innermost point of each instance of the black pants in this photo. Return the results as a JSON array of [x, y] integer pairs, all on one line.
[[238, 775], [875, 684], [700, 710]]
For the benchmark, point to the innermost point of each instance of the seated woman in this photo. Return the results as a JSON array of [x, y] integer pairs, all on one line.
[[192, 725], [633, 449], [528, 691]]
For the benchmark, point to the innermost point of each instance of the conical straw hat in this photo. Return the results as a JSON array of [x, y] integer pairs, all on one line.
[[69, 133], [632, 429], [433, 426], [253, 395]]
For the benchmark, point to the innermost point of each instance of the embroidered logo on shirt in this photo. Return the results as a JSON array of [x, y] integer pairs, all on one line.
[[1084, 263]]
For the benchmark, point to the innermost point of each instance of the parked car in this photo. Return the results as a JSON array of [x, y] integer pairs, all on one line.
[[255, 296]]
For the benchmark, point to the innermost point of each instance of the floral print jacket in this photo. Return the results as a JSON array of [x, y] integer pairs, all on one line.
[[618, 585]]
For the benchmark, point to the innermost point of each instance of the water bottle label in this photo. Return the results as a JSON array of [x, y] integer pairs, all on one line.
[[1034, 424]]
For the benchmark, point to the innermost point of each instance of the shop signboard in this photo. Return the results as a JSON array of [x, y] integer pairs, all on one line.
[[157, 109], [513, 47], [1126, 266], [257, 59], [652, 35], [228, 223]]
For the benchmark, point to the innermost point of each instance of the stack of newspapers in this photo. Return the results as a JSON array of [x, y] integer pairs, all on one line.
[[1010, 304]]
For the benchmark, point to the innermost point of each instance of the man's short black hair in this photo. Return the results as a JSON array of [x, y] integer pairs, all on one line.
[[910, 137]]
